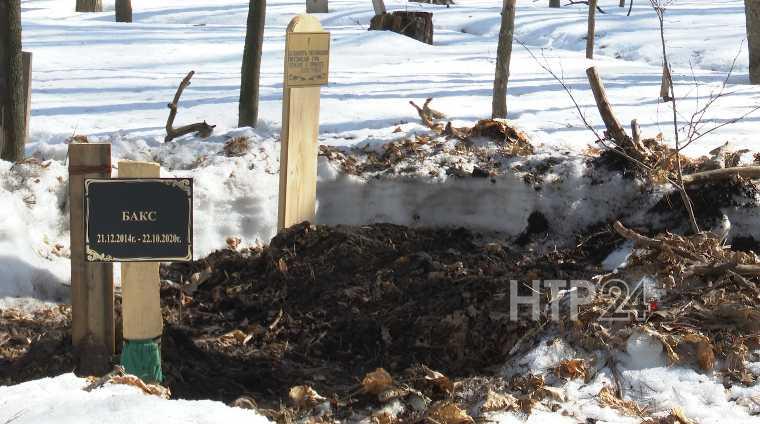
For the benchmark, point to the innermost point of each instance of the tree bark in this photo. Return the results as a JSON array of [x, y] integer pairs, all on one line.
[[554, 3], [123, 10], [379, 6], [89, 6], [503, 57], [250, 73], [12, 101], [752, 14], [591, 29], [622, 3]]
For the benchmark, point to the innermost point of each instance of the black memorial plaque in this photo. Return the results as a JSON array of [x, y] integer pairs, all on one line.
[[138, 219]]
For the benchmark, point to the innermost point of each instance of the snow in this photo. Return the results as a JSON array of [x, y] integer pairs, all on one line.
[[112, 81], [62, 400]]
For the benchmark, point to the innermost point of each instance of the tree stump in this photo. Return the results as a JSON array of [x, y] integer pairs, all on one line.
[[417, 25]]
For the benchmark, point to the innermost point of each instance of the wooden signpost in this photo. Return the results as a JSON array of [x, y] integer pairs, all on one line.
[[92, 290], [307, 53], [139, 219]]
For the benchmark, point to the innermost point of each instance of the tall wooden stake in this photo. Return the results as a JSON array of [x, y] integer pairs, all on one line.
[[300, 128], [91, 283], [140, 294]]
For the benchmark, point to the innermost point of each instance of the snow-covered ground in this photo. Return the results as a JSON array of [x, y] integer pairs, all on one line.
[[63, 400], [112, 81]]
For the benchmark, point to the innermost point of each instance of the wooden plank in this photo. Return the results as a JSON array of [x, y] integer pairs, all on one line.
[[299, 147], [26, 58], [92, 292], [140, 285]]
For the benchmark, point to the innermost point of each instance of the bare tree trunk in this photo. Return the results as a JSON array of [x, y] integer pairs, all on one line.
[[123, 10], [622, 3], [89, 6], [591, 29], [503, 57], [12, 101], [752, 12], [379, 6], [250, 74], [554, 3]]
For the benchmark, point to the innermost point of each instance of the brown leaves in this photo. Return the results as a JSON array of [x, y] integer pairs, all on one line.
[[444, 412], [148, 389], [237, 146], [499, 402], [304, 397], [571, 369], [607, 397], [377, 381], [235, 336], [439, 380], [676, 416]]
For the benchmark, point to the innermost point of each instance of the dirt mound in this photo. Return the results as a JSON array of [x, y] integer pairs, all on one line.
[[325, 305]]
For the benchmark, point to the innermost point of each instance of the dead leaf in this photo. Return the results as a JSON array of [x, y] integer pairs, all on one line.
[[607, 397], [304, 396], [377, 381], [499, 402], [571, 369], [448, 413], [440, 380], [135, 381]]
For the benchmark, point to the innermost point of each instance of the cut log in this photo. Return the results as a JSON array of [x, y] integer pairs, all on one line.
[[417, 25], [614, 129]]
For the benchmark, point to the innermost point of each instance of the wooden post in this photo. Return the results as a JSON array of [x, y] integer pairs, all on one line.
[[91, 283], [26, 58], [554, 3], [622, 3], [591, 29], [300, 128], [140, 285], [316, 6], [379, 7]]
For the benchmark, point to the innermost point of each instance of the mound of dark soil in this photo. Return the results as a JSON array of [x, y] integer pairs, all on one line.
[[324, 305]]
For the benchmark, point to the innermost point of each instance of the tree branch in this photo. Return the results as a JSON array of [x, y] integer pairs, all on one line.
[[202, 128]]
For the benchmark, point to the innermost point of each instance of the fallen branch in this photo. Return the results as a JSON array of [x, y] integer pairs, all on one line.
[[202, 128], [629, 234], [725, 173], [615, 130]]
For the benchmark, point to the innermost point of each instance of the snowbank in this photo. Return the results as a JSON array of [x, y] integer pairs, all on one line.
[[61, 400]]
